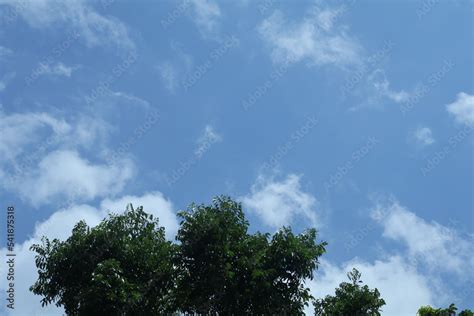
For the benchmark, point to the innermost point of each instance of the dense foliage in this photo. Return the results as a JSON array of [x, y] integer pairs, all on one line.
[[124, 266], [224, 269], [351, 298], [449, 311]]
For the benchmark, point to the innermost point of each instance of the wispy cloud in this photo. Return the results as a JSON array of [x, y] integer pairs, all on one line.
[[6, 79], [173, 71], [208, 137], [315, 39], [322, 39], [18, 131], [95, 29], [381, 89], [373, 88], [444, 250], [56, 69], [169, 76], [463, 109], [120, 98], [5, 52], [207, 14]]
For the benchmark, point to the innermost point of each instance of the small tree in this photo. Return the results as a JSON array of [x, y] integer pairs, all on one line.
[[351, 299], [449, 311]]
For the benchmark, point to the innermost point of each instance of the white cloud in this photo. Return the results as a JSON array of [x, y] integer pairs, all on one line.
[[371, 85], [326, 17], [437, 247], [64, 173], [126, 99], [5, 79], [40, 158], [87, 132], [172, 72], [94, 28], [206, 16], [59, 225], [22, 129], [58, 69], [463, 109], [279, 203], [5, 52], [380, 85], [169, 76], [208, 137], [153, 203], [315, 39], [39, 132], [322, 39], [424, 136], [411, 277], [401, 286]]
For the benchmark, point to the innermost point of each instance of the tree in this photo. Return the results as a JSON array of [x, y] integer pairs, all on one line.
[[123, 266], [351, 299], [449, 311], [211, 240], [226, 270], [291, 259]]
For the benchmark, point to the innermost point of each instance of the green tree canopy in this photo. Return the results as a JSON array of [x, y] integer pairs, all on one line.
[[449, 311], [125, 266], [226, 270], [351, 299]]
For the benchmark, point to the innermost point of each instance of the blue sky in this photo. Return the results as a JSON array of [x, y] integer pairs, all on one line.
[[354, 117]]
